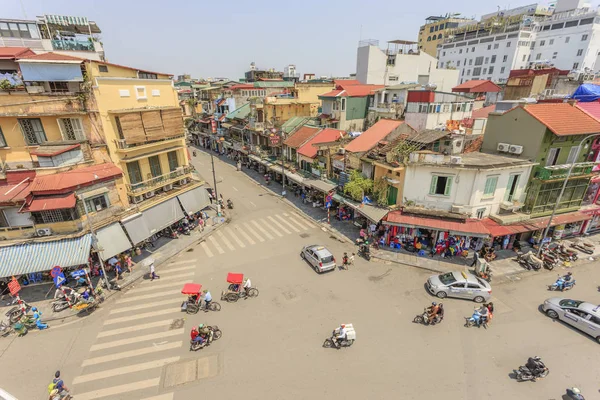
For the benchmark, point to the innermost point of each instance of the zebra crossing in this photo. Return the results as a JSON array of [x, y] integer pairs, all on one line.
[[139, 338], [253, 232]]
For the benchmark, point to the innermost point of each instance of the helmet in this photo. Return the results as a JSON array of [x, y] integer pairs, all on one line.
[[33, 308], [434, 304], [441, 305], [200, 326], [57, 374], [576, 391], [343, 325], [569, 273]]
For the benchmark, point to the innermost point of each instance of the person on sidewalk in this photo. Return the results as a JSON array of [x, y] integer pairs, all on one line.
[[351, 260], [153, 272], [475, 258]]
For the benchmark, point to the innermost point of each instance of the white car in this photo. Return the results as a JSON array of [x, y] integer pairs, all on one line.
[[579, 314]]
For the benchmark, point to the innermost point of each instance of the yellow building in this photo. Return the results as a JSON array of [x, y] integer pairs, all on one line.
[[435, 30], [311, 90]]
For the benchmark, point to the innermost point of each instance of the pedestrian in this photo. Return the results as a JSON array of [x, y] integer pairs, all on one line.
[[153, 272], [351, 260], [475, 258], [201, 224], [129, 262], [118, 271], [210, 197]]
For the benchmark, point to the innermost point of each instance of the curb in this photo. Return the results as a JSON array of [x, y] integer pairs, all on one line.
[[409, 264], [111, 293]]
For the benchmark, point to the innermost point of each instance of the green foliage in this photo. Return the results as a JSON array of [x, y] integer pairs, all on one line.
[[380, 189], [358, 185], [5, 85]]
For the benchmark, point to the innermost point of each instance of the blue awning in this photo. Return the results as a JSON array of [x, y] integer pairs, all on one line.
[[43, 256], [46, 72]]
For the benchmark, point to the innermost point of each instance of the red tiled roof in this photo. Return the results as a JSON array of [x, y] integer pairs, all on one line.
[[75, 178], [563, 119], [326, 135], [369, 138], [242, 86], [333, 93], [592, 109], [533, 72], [362, 90], [470, 226], [15, 192], [477, 86], [11, 53], [51, 57], [51, 203], [482, 112], [51, 151], [300, 136], [495, 229], [347, 82]]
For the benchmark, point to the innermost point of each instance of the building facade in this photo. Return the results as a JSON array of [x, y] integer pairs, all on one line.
[[426, 109], [436, 29]]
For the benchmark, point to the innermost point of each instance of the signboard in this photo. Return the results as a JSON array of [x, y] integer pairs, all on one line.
[[14, 287], [59, 280], [55, 271], [274, 139], [338, 164], [213, 125]]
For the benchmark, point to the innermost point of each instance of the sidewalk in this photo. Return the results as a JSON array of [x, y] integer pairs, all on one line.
[[41, 295]]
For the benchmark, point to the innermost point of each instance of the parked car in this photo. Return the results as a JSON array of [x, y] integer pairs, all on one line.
[[319, 258], [579, 314], [460, 284]]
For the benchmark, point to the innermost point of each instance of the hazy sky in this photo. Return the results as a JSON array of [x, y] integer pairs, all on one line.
[[221, 38]]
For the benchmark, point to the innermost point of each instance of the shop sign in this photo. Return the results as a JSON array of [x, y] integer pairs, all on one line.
[[274, 139], [14, 287], [338, 164]]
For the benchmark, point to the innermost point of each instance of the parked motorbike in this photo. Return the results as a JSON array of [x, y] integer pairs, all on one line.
[[5, 329], [476, 319], [229, 204], [529, 261], [364, 251], [61, 303], [215, 334], [583, 245], [550, 261], [424, 318], [184, 229], [532, 371], [561, 284], [60, 395], [15, 313]]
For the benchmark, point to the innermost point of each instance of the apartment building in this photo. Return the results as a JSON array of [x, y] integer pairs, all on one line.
[[428, 109], [435, 30]]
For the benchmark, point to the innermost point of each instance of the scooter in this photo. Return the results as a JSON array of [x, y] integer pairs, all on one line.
[[61, 303], [574, 394], [584, 246], [229, 204], [424, 318], [476, 319], [363, 251], [560, 282], [535, 369], [15, 313]]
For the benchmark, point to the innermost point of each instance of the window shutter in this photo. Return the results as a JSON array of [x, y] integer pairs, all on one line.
[[571, 157], [551, 155], [448, 186], [507, 192], [433, 184], [78, 128]]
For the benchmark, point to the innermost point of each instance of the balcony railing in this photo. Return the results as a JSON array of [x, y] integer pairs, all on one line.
[[561, 171], [159, 181], [73, 45], [123, 145]]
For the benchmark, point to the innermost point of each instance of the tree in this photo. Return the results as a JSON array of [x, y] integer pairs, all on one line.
[[358, 185], [380, 189]]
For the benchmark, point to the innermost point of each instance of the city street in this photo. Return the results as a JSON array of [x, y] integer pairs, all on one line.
[[137, 345]]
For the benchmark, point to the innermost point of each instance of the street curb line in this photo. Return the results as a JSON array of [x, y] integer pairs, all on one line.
[[114, 292], [409, 264]]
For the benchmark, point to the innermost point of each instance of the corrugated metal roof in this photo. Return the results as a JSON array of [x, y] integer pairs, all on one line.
[[43, 256], [470, 226], [293, 123], [75, 177], [369, 138], [15, 193], [52, 203], [325, 136], [300, 136], [271, 84], [240, 113], [50, 151]]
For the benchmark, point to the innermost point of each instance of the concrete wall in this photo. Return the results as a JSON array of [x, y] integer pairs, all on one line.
[[307, 91], [396, 174]]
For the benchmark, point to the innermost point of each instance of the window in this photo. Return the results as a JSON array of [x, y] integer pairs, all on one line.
[[524, 57], [511, 188], [460, 51], [440, 185], [567, 39], [484, 71], [2, 139], [140, 92], [551, 42], [431, 29], [507, 44], [51, 216], [493, 60], [532, 45], [538, 56], [504, 58], [502, 70], [444, 53], [554, 55], [477, 71], [97, 203], [467, 50], [584, 38], [134, 172], [579, 52], [496, 45], [429, 38], [71, 128], [437, 27], [473, 49], [58, 87], [572, 155], [468, 72], [458, 63], [490, 186], [32, 130], [343, 105], [480, 213], [490, 70], [471, 61], [489, 46], [479, 61], [542, 43], [575, 65], [552, 156], [103, 68], [146, 75], [155, 169]]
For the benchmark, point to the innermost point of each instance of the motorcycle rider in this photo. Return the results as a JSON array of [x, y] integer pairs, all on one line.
[[562, 281], [195, 336], [483, 312], [204, 332], [207, 299], [58, 383], [440, 313], [341, 335], [535, 365], [432, 311], [37, 316], [345, 261], [229, 204]]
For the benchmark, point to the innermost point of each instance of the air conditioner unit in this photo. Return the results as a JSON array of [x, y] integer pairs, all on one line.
[[341, 151], [43, 232], [319, 152], [457, 209], [121, 143], [183, 181], [136, 199], [168, 187], [149, 194], [455, 160], [503, 147], [515, 149]]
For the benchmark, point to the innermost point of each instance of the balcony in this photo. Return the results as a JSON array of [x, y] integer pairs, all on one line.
[[386, 107], [73, 45], [560, 171], [124, 147], [159, 181], [39, 103]]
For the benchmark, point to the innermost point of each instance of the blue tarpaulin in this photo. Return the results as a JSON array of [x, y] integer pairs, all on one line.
[[586, 93], [45, 72]]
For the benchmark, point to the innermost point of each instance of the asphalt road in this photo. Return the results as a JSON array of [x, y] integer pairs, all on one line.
[[137, 345]]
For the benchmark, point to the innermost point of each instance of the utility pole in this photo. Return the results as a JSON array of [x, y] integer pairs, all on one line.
[[95, 241], [282, 165]]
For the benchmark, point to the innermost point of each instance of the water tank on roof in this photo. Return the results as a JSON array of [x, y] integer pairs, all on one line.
[[431, 86]]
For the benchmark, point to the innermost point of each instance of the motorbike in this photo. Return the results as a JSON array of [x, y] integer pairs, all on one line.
[[583, 245], [15, 313], [346, 342], [60, 395], [532, 371], [424, 318], [215, 334], [61, 303], [574, 394], [561, 282], [550, 261], [363, 251], [476, 319], [5, 329], [184, 229], [229, 204], [529, 261]]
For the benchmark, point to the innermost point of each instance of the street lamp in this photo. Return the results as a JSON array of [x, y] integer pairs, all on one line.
[[562, 189]]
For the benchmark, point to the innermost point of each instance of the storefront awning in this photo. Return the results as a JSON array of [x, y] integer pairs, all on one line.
[[137, 228], [51, 203], [140, 227], [194, 200], [534, 224], [323, 186], [295, 177], [112, 240], [372, 213], [470, 227], [43, 256]]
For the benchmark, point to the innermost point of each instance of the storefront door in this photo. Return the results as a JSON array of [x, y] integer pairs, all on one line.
[[392, 195]]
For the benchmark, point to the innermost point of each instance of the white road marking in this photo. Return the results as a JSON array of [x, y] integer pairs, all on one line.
[[124, 370], [153, 288], [115, 390], [140, 316], [214, 243], [234, 188], [149, 296], [145, 305], [168, 278], [183, 262], [130, 353], [252, 203], [304, 221], [279, 225], [296, 222], [253, 232], [206, 249], [279, 217], [224, 239], [235, 238], [166, 396], [170, 270], [245, 235], [122, 342], [134, 328], [275, 231], [260, 228]]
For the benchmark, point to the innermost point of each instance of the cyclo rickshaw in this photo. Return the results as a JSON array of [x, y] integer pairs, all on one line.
[[235, 290], [194, 300]]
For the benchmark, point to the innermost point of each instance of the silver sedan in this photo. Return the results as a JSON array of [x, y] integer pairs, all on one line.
[[463, 285], [579, 314]]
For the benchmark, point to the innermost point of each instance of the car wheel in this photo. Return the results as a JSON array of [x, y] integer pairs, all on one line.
[[478, 299], [441, 295], [302, 255], [316, 270], [598, 339], [552, 314]]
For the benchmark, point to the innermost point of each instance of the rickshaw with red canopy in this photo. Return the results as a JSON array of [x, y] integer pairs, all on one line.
[[235, 290], [194, 293]]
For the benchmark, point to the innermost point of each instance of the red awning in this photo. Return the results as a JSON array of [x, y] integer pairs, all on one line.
[[51, 151], [472, 227], [534, 224], [502, 230], [51, 203]]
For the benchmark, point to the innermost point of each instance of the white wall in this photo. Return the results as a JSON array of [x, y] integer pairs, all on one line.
[[467, 187]]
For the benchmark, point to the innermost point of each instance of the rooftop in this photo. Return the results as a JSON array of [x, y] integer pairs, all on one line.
[[369, 138], [483, 112], [300, 136], [325, 136], [56, 57], [477, 86], [11, 53], [427, 136], [477, 160], [562, 118], [592, 109], [75, 178], [239, 113]]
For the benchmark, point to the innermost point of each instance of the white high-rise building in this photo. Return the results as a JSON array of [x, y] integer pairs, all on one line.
[[565, 36]]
